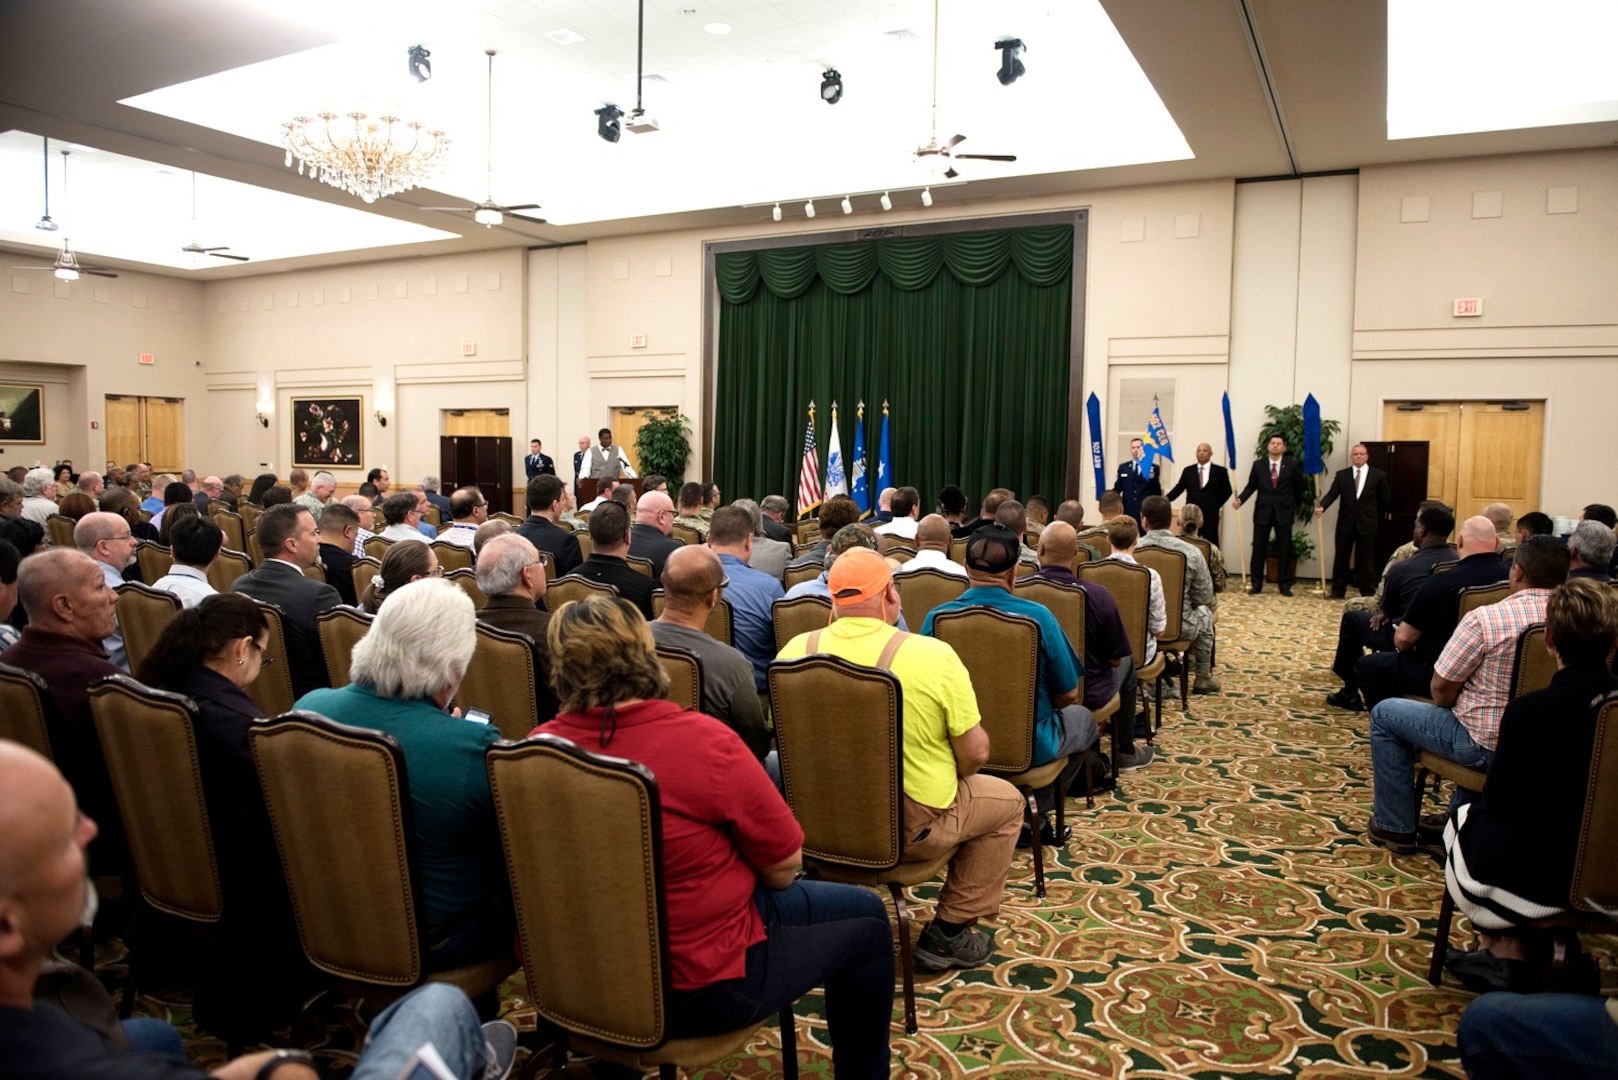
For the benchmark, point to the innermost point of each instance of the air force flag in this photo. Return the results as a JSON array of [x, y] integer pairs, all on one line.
[[860, 490]]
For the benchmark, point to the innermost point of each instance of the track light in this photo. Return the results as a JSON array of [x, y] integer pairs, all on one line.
[[887, 203], [831, 86], [607, 126], [421, 68], [776, 213], [848, 205], [926, 196], [809, 209], [1011, 68]]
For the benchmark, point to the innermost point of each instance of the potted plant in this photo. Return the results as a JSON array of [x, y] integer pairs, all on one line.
[[664, 446], [1287, 422]]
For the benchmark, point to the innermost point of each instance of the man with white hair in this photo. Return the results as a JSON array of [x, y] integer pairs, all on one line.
[[21, 533], [405, 671], [429, 487], [1589, 550], [365, 513], [107, 539], [212, 488], [769, 556], [321, 487], [513, 578], [39, 495]]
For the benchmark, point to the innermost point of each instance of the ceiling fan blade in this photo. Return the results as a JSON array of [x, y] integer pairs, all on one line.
[[450, 209], [987, 157], [96, 271], [530, 220], [219, 253], [32, 268], [209, 251], [524, 206], [957, 140]]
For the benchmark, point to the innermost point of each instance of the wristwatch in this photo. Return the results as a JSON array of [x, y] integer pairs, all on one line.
[[283, 1057]]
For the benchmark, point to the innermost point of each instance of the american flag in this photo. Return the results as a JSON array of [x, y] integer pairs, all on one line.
[[809, 472]]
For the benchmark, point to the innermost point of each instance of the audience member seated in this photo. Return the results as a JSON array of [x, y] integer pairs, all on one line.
[[775, 509], [76, 505], [835, 512], [1499, 515], [710, 500], [609, 537], [122, 501], [1038, 514], [512, 577], [849, 537], [1191, 524], [952, 508], [1589, 550], [1512, 850], [1109, 662], [884, 506], [401, 515], [401, 564], [649, 537], [10, 612], [366, 513], [750, 592], [174, 494], [231, 490], [988, 511], [1196, 614], [947, 801], [1011, 516], [43, 896], [429, 488], [769, 556], [70, 613], [38, 495], [548, 498], [275, 495], [405, 670], [467, 510], [107, 539], [1535, 523], [207, 491], [92, 484], [745, 938], [1471, 686], [155, 502], [1122, 536], [338, 526], [690, 508], [1359, 630], [319, 496], [1063, 726], [488, 531], [261, 483], [906, 512], [1506, 1036], [195, 545], [933, 540], [291, 544], [693, 580]]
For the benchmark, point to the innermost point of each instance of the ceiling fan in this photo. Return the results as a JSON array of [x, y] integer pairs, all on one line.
[[489, 213], [45, 223], [946, 150], [67, 266], [194, 248]]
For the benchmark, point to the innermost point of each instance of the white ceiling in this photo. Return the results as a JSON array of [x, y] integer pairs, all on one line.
[[1117, 92]]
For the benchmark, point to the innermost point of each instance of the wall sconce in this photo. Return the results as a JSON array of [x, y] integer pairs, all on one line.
[[263, 421], [263, 414], [381, 418]]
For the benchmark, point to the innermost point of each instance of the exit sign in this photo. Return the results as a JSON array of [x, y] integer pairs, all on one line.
[[1468, 307], [147, 358], [637, 341]]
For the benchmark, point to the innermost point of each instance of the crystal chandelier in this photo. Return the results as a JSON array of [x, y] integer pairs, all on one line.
[[371, 158]]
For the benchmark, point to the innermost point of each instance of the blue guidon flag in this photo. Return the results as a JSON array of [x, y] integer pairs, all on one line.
[[1312, 462], [860, 491]]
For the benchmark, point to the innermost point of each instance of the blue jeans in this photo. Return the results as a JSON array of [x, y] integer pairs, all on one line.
[[1555, 1036], [1400, 730], [437, 1013], [820, 934], [149, 1035]]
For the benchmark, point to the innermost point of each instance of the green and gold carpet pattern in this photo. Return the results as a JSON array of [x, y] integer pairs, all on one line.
[[1219, 915]]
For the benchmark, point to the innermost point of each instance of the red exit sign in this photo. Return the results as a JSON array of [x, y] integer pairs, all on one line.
[[147, 358], [1470, 306]]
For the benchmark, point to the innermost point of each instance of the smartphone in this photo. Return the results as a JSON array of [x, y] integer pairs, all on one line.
[[477, 716]]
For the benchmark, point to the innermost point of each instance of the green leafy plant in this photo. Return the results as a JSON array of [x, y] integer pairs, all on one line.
[[1303, 546], [1287, 422], [664, 445]]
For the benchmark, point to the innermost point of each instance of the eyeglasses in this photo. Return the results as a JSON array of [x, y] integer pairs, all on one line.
[[264, 658]]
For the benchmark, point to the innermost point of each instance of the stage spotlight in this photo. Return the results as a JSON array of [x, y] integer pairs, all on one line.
[[887, 203], [607, 126], [831, 87], [421, 68], [1011, 68], [776, 213], [926, 196], [848, 205]]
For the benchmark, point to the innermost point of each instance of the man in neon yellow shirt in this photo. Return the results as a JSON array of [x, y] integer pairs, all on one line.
[[947, 801]]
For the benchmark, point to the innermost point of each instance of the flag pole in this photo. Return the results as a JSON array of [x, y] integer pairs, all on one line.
[[1241, 546], [1320, 549]]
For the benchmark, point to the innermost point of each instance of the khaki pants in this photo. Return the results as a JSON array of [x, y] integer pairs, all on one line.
[[984, 820]]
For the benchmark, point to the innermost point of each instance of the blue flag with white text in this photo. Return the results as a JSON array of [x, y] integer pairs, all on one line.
[[860, 492], [1155, 442], [1097, 461]]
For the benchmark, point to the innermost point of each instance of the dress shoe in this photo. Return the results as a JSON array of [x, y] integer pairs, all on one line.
[[1207, 683], [1343, 699], [1400, 843], [1482, 971], [1335, 595], [1171, 667], [1255, 590], [1430, 829], [1286, 590]]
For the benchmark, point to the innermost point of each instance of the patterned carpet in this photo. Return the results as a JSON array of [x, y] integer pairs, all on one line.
[[1219, 915]]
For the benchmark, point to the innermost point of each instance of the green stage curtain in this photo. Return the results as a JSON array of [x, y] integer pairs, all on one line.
[[973, 362]]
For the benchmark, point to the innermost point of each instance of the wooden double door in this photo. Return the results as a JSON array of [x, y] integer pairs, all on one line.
[[149, 429], [1481, 452]]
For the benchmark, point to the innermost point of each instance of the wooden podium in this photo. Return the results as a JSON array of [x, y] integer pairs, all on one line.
[[587, 488]]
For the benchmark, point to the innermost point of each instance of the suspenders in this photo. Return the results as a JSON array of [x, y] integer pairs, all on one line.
[[885, 661]]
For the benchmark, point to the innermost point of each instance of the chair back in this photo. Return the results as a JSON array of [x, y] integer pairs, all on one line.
[[234, 529], [842, 769], [452, 556], [154, 559], [150, 742], [27, 710], [376, 545], [797, 616], [467, 580], [432, 516], [1171, 568], [272, 690], [1001, 653], [684, 669], [797, 575], [1534, 665], [362, 571], [255, 551], [720, 625], [510, 519], [1595, 871], [340, 629], [957, 551], [1131, 589], [230, 565], [588, 896], [315, 572], [339, 804], [59, 530], [685, 534], [1067, 602], [143, 614], [640, 565], [1207, 550], [250, 514], [922, 590], [503, 681], [1475, 596], [1508, 555], [587, 546], [571, 587]]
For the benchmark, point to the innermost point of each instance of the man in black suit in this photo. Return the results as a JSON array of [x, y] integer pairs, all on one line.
[[291, 544], [609, 536], [1206, 486], [1133, 484], [1278, 479], [1366, 497], [536, 463], [548, 499], [512, 577], [649, 536], [339, 525], [774, 509]]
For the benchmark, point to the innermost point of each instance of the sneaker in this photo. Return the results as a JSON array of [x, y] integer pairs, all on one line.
[[969, 948], [500, 1044], [1207, 683], [1344, 699], [1171, 667], [1047, 836], [1132, 761]]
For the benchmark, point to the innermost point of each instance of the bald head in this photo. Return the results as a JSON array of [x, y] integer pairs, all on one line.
[[690, 577], [106, 538], [64, 592], [933, 534], [1058, 544], [1499, 514], [1476, 536], [42, 864], [657, 510]]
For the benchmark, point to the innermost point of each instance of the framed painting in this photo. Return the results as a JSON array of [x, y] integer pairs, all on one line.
[[328, 432], [22, 413]]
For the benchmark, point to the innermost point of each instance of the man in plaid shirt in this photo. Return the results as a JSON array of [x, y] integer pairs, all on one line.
[[1471, 686]]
